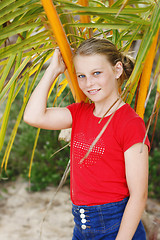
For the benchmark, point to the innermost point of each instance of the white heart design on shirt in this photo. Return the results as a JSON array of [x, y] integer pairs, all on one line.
[[80, 147]]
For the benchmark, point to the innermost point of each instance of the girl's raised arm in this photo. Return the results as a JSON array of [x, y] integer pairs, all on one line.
[[36, 112]]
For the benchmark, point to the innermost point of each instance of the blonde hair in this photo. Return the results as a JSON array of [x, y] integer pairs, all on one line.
[[94, 46]]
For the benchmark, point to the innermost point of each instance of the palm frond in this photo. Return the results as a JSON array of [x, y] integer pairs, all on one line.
[[122, 22]]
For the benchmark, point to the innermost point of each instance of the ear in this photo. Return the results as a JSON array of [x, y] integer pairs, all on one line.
[[118, 69]]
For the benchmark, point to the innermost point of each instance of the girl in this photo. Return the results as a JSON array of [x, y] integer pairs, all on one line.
[[109, 186]]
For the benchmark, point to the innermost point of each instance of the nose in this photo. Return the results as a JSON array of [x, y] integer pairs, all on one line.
[[90, 81]]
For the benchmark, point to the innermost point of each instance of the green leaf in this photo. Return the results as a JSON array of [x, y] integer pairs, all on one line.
[[3, 3], [19, 14], [103, 25], [11, 81], [11, 7], [14, 131], [19, 29], [145, 45], [7, 70], [107, 10], [28, 43], [138, 20], [6, 116]]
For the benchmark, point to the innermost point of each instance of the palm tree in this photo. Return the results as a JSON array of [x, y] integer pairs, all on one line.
[[30, 30]]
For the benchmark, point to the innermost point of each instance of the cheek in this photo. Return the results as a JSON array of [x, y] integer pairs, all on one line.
[[81, 84]]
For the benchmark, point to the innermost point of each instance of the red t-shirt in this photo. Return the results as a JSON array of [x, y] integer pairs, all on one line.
[[101, 178]]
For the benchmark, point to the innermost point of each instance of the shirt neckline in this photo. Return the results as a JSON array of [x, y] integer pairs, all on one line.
[[124, 105]]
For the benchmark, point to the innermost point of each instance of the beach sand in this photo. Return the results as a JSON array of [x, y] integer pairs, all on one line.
[[22, 213]]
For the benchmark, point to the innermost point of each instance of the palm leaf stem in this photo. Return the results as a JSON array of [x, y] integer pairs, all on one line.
[[155, 111], [33, 151], [145, 79], [122, 7], [131, 93], [85, 18], [154, 81], [65, 48], [158, 84]]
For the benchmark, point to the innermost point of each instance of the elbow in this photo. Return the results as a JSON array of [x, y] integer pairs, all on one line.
[[33, 120], [25, 117], [140, 196], [28, 118]]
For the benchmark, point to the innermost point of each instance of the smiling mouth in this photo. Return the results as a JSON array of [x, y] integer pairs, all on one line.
[[94, 91]]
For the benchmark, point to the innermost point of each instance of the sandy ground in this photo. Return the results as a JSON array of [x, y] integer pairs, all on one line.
[[22, 213]]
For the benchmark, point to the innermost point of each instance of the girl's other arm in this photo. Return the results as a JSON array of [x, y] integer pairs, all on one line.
[[137, 179], [36, 112]]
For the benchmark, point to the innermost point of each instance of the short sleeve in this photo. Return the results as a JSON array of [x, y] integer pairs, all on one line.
[[73, 108], [134, 132]]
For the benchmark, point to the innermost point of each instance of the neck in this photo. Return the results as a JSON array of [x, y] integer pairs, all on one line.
[[108, 108]]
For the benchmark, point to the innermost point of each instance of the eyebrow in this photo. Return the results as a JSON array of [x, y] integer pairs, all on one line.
[[93, 70], [79, 73]]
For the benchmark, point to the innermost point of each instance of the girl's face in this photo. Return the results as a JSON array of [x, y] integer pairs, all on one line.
[[97, 78]]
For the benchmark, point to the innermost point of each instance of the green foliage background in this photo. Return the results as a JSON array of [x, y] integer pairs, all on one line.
[[47, 170]]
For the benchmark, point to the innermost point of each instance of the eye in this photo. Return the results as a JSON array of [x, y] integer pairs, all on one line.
[[96, 73], [81, 76]]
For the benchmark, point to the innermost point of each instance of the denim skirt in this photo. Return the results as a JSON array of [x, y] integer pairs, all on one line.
[[101, 222]]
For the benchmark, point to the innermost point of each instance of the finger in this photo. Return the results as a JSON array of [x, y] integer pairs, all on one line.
[[57, 49]]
